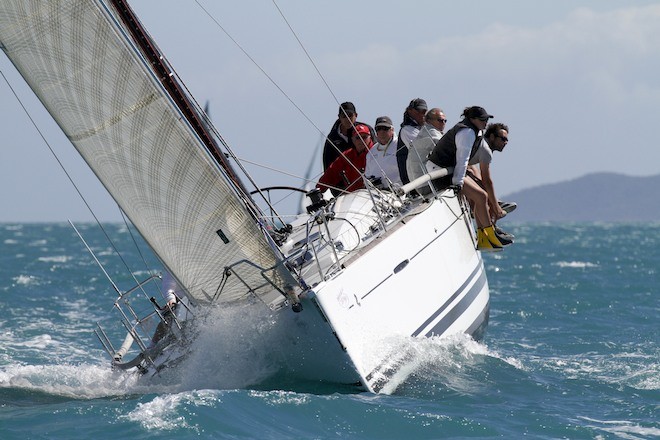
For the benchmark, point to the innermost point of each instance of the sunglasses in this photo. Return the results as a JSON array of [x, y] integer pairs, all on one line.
[[441, 120], [504, 138], [383, 128]]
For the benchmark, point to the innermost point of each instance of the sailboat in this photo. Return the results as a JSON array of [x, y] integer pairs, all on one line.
[[345, 278]]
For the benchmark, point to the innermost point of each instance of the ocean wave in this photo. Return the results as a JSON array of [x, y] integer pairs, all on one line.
[[623, 428], [26, 280], [55, 259], [451, 362], [168, 412], [83, 381], [636, 371], [574, 264]]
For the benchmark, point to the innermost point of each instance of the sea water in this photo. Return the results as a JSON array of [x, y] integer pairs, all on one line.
[[572, 351]]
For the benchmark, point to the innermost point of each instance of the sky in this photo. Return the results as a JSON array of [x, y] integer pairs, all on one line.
[[577, 81]]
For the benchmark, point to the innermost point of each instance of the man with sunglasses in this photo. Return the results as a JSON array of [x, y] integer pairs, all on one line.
[[381, 159], [422, 145], [495, 138], [460, 147]]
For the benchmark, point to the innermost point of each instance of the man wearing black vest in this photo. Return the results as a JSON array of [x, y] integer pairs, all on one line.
[[458, 148]]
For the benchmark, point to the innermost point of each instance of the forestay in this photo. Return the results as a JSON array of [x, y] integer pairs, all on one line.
[[83, 66]]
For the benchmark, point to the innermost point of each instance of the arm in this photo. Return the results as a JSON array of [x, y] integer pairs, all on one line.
[[169, 289], [402, 157], [464, 140], [331, 178]]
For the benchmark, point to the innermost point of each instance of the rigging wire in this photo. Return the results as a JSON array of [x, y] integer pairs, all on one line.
[[306, 53], [257, 65], [318, 71], [301, 111]]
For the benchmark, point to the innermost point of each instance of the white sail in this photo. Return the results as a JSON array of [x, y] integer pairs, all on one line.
[[82, 64]]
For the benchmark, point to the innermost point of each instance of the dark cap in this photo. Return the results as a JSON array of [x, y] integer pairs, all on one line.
[[347, 107], [418, 104], [477, 112], [383, 121]]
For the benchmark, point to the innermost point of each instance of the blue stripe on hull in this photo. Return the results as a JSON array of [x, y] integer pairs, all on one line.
[[478, 271], [459, 309]]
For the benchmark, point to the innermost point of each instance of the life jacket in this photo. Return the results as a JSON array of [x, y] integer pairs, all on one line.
[[444, 152]]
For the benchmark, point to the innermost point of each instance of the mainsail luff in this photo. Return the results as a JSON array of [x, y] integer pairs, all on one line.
[[166, 76], [114, 109]]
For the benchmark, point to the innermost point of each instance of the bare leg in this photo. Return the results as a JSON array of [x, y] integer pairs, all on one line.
[[479, 198]]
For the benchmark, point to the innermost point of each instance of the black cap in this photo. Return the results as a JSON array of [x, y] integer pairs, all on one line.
[[477, 112], [418, 104], [383, 121], [347, 107]]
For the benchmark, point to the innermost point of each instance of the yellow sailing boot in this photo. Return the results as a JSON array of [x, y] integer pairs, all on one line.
[[484, 244], [492, 237]]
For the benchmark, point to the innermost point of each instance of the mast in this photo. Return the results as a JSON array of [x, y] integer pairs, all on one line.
[[180, 97]]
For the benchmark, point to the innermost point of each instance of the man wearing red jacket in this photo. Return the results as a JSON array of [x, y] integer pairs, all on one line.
[[345, 172]]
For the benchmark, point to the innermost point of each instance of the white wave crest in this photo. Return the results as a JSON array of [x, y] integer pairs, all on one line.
[[623, 428], [575, 264], [55, 259], [25, 280], [447, 360], [75, 381], [630, 369], [164, 412]]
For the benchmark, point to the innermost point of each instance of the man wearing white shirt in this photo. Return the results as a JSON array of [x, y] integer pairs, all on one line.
[[381, 158]]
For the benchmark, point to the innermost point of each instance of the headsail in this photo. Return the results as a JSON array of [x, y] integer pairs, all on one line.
[[81, 62]]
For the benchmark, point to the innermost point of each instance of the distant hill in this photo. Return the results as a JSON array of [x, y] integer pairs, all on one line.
[[606, 197]]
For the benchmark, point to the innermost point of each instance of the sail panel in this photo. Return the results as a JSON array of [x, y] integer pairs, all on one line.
[[80, 63]]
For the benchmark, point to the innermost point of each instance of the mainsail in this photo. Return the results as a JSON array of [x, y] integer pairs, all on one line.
[[82, 63]]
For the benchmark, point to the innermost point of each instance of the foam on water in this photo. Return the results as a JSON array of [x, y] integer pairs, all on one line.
[[55, 259], [623, 429], [26, 280], [448, 361], [633, 370], [234, 349], [575, 264], [84, 381], [168, 412]]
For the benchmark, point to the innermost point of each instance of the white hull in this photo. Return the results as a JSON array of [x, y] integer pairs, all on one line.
[[423, 279], [419, 279]]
